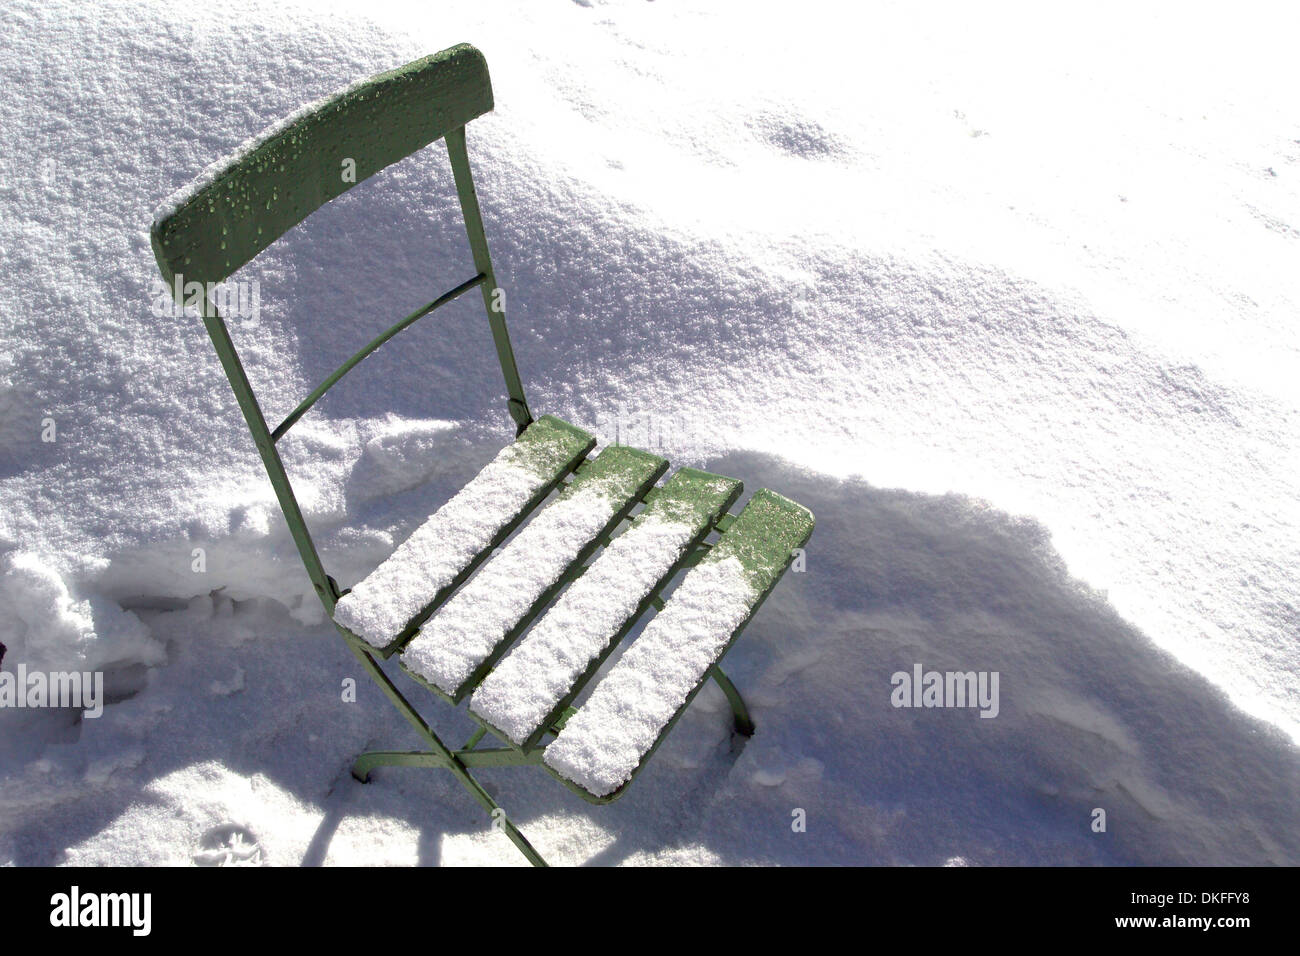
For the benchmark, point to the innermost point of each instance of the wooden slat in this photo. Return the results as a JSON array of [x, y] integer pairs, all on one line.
[[458, 645], [539, 678], [609, 739], [388, 606]]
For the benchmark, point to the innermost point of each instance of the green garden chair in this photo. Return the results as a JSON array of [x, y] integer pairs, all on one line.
[[517, 628]]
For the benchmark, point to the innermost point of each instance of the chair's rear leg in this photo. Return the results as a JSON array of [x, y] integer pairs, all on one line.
[[744, 725]]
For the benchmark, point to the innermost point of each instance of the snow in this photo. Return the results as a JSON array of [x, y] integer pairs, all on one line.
[[1005, 295], [468, 628], [534, 677], [204, 179], [45, 626], [602, 745], [382, 604]]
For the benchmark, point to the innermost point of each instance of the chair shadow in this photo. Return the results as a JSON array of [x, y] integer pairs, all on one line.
[[1092, 715]]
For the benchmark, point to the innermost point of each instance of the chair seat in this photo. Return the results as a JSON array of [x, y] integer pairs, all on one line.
[[390, 603], [606, 742], [461, 634], [455, 647], [524, 695]]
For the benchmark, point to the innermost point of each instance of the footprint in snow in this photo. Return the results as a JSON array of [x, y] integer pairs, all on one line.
[[229, 845]]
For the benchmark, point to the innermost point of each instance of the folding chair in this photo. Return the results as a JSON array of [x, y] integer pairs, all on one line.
[[518, 627]]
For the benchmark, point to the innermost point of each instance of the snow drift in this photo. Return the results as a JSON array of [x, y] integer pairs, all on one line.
[[1006, 300]]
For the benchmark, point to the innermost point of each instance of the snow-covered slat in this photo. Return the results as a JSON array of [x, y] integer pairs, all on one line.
[[604, 744], [463, 639], [390, 603], [541, 674]]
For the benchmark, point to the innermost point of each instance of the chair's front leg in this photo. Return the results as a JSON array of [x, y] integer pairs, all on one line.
[[440, 756]]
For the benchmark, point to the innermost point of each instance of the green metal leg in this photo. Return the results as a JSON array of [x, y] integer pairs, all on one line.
[[474, 739], [744, 726], [490, 757], [440, 756], [469, 208], [368, 761], [499, 818]]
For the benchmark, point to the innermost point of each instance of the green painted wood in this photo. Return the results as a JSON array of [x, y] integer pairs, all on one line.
[[552, 448], [625, 474], [695, 497], [274, 186], [763, 538], [551, 445]]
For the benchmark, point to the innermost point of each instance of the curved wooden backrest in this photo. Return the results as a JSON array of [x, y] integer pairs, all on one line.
[[212, 228]]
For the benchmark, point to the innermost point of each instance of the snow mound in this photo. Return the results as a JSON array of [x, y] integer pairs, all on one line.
[[1016, 285], [45, 626]]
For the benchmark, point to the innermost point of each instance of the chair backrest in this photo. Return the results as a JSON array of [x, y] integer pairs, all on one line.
[[235, 210], [315, 155]]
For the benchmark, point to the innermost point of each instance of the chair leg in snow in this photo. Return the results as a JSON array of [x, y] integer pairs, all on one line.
[[744, 725], [457, 761]]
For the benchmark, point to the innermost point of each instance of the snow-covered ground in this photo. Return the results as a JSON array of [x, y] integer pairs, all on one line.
[[1006, 298]]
